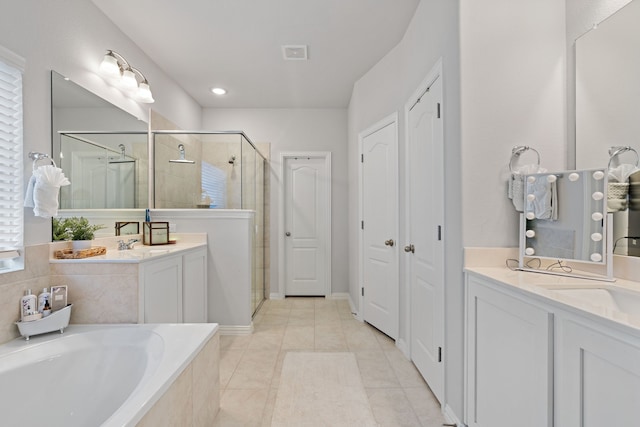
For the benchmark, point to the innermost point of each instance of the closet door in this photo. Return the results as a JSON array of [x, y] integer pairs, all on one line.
[[425, 221]]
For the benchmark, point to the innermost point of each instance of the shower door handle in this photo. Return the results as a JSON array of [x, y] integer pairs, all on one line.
[[287, 234]]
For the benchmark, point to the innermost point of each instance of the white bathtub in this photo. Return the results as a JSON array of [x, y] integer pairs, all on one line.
[[94, 375]]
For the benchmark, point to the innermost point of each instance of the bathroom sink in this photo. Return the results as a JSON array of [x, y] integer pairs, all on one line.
[[607, 296]]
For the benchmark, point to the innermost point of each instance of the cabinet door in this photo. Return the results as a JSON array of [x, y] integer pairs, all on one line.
[[194, 287], [162, 281], [509, 360], [598, 380]]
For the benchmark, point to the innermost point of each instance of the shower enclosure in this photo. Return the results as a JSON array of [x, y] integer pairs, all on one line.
[[107, 170], [214, 170]]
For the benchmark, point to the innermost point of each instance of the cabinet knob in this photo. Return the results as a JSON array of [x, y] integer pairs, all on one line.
[[410, 248], [389, 242], [287, 234]]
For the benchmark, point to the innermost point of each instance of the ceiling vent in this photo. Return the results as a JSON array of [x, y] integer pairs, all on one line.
[[295, 52]]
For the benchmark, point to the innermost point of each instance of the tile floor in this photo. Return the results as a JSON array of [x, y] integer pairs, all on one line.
[[250, 365]]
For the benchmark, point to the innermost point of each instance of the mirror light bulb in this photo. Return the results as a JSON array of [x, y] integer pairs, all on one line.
[[574, 177], [596, 237], [529, 251], [551, 178], [596, 216], [595, 257], [597, 195], [531, 197], [531, 215], [531, 179], [530, 234], [598, 175]]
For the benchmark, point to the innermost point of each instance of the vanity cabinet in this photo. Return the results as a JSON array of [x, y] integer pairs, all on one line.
[[598, 380], [509, 359], [172, 288]]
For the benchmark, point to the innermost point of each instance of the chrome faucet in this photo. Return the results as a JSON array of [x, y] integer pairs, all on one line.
[[122, 246]]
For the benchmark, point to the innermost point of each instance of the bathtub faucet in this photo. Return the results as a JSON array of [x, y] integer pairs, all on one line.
[[122, 246]]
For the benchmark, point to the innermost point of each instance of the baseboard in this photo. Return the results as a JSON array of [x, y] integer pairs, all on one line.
[[235, 329], [402, 346], [451, 417], [338, 295], [354, 310], [276, 296]]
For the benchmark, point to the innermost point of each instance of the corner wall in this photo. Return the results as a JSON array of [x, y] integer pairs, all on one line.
[[431, 35]]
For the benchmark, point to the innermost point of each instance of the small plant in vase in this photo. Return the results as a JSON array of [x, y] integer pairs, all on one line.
[[78, 230]]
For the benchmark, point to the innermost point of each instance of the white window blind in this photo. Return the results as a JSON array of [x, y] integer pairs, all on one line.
[[11, 172], [214, 182]]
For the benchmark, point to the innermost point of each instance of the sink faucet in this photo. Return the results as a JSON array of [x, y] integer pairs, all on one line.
[[122, 246]]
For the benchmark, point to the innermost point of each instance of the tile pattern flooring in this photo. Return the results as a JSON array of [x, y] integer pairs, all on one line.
[[250, 365]]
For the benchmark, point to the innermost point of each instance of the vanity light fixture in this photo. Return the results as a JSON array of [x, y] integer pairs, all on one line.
[[219, 90], [119, 71]]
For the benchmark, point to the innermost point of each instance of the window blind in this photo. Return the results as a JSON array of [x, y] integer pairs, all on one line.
[[214, 182], [11, 160]]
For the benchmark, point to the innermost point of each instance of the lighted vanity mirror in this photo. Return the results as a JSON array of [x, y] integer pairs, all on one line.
[[607, 105], [564, 217], [102, 149]]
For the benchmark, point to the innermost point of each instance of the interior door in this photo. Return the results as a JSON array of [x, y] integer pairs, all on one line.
[[426, 217], [306, 220], [379, 228]]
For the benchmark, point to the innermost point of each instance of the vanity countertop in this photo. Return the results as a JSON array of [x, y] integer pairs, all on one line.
[[552, 289], [140, 253]]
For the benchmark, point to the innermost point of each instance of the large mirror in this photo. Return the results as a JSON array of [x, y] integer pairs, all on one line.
[[607, 105], [101, 149], [564, 216]]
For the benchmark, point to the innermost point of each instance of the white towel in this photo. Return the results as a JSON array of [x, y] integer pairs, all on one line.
[[42, 190], [544, 204]]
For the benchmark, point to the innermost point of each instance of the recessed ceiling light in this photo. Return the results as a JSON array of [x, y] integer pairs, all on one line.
[[219, 91]]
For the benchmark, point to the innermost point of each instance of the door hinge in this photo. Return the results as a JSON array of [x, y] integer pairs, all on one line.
[[362, 225], [439, 354], [362, 289], [438, 110], [439, 232], [361, 158]]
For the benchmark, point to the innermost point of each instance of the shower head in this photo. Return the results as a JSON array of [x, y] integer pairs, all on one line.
[[122, 158], [181, 159]]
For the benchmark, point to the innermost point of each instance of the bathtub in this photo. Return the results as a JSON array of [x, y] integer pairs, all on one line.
[[92, 375]]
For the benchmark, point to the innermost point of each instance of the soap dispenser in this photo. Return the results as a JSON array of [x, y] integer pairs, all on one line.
[[44, 302], [28, 306]]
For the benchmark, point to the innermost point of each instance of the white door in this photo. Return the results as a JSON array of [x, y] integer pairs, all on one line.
[[306, 194], [380, 228], [425, 249]]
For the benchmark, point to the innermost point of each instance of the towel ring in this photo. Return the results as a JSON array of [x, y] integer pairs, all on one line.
[[517, 151], [617, 150], [36, 157]]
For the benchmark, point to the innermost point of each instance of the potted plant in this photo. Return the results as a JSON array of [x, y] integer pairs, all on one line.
[[78, 230]]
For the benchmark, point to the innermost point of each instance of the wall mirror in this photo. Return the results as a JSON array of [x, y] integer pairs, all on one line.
[[607, 105], [564, 217], [102, 149]]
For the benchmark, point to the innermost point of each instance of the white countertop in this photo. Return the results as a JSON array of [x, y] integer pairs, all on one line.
[[139, 253], [540, 287]]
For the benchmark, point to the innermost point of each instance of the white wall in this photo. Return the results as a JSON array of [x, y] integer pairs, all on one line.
[[71, 36], [513, 93], [432, 34], [297, 130]]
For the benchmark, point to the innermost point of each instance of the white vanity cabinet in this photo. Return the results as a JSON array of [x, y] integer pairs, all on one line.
[[598, 375], [172, 288], [509, 359]]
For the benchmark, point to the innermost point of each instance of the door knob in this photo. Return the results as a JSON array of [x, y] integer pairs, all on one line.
[[410, 248], [287, 234], [389, 242]]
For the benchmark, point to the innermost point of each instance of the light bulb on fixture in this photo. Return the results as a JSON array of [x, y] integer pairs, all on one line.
[[122, 74], [109, 65]]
